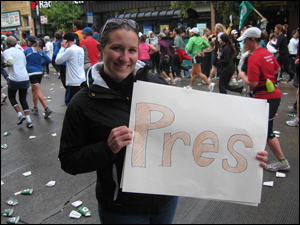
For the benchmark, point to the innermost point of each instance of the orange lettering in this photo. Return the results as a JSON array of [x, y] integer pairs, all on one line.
[[199, 148], [142, 125], [168, 144], [241, 161]]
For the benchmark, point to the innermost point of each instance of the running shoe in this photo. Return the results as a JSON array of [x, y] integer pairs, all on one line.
[[291, 109], [29, 124], [293, 122], [4, 99], [277, 165], [211, 87], [21, 119], [47, 113], [35, 110], [187, 87]]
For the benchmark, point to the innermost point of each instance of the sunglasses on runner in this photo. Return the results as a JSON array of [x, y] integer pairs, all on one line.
[[116, 22]]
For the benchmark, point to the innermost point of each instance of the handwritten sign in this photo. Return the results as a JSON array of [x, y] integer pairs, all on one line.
[[195, 144]]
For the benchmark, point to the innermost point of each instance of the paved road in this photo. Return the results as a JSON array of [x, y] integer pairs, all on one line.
[[52, 205]]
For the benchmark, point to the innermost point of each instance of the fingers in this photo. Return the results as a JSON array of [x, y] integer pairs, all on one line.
[[263, 157], [119, 137]]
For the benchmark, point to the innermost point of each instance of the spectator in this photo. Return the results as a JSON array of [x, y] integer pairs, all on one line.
[[18, 80], [87, 144], [74, 57], [89, 45], [207, 53], [95, 32], [236, 44]]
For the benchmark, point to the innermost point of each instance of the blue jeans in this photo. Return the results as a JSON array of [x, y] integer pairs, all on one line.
[[166, 216]]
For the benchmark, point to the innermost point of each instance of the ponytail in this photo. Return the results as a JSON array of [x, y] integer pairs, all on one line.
[[36, 46]]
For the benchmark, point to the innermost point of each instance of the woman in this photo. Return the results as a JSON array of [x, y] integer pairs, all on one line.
[[166, 51], [95, 133], [35, 70], [195, 46], [281, 45], [18, 79], [262, 66], [23, 44], [49, 51], [226, 65], [144, 54]]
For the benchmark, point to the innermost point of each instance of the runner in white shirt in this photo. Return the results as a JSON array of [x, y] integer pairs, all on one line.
[[18, 79], [48, 49], [74, 57]]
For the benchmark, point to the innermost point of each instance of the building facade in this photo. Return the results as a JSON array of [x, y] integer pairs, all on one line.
[[151, 15]]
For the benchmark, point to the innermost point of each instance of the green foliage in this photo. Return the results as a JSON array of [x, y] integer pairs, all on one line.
[[184, 6], [290, 6], [226, 8], [62, 14]]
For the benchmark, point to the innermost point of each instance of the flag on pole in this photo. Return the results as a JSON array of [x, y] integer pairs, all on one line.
[[245, 9]]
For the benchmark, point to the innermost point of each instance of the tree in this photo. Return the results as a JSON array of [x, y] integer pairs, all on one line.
[[185, 5], [62, 14]]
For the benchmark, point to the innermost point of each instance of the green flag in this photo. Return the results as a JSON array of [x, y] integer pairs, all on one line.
[[245, 9]]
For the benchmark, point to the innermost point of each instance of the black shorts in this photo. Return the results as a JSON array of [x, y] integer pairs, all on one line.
[[273, 107], [198, 60], [36, 79], [215, 61]]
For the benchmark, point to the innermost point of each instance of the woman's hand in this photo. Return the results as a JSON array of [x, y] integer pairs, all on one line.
[[118, 138], [263, 157]]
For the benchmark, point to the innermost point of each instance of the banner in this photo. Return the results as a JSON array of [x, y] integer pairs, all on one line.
[[195, 144], [245, 9]]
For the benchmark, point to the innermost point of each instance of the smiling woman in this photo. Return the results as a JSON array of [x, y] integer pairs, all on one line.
[[95, 130]]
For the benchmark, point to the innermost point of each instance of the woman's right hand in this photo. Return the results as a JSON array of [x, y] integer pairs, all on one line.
[[119, 137]]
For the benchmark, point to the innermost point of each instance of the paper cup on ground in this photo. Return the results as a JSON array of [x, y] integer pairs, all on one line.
[[27, 191], [12, 201], [84, 211], [77, 203], [7, 212], [13, 220], [74, 214], [50, 183]]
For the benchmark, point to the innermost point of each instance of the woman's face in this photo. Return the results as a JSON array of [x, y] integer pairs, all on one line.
[[277, 31], [120, 54]]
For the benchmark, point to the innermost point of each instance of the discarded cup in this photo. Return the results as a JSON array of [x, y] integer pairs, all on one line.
[[77, 203], [2, 182], [6, 134], [84, 211], [48, 97], [12, 201], [26, 174], [32, 137], [50, 183], [74, 214], [13, 220], [7, 212], [291, 115], [27, 191], [4, 146], [268, 183]]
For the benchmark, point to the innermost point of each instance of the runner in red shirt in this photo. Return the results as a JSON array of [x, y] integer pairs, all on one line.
[[262, 66]]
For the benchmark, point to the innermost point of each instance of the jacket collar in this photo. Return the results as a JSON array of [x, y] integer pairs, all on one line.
[[94, 77]]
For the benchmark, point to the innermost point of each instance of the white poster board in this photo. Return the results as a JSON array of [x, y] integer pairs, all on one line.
[[196, 144]]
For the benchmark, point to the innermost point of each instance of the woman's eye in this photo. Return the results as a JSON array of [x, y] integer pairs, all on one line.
[[117, 48]]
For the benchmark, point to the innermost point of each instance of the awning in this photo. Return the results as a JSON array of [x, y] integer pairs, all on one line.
[[151, 15]]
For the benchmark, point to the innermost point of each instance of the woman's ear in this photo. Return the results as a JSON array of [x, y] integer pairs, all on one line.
[[100, 51]]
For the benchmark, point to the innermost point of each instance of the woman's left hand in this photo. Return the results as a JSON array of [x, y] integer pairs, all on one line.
[[263, 157]]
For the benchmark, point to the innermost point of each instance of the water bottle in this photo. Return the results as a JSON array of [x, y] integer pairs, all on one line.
[[270, 86]]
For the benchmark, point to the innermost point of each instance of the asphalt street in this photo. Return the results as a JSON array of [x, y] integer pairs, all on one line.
[[52, 205]]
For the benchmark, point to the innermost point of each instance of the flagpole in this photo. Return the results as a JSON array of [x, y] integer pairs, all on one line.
[[258, 13]]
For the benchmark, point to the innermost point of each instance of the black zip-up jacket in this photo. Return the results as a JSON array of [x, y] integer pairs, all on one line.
[[91, 115], [281, 44], [226, 60]]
